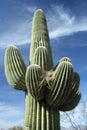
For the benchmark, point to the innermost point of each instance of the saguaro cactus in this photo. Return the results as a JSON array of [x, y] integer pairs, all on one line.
[[48, 89]]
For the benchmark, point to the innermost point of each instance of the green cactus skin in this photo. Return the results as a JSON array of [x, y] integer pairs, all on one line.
[[48, 89], [33, 79], [40, 36], [62, 79], [39, 116], [74, 95], [15, 68], [41, 57]]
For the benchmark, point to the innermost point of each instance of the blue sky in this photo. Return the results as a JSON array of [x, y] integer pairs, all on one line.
[[67, 25]]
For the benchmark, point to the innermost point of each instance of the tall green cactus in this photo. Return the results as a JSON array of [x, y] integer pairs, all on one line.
[[48, 89]]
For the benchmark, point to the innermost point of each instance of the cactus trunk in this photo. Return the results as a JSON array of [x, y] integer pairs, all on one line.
[[39, 116]]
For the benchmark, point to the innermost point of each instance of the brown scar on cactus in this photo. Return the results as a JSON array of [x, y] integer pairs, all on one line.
[[48, 89]]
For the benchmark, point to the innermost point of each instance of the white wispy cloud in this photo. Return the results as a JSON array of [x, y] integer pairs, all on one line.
[[63, 23], [60, 23], [20, 31], [19, 34]]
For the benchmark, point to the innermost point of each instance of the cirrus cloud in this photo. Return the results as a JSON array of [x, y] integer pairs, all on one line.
[[60, 23], [63, 23]]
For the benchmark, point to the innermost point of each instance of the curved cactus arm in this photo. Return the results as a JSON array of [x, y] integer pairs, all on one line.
[[72, 102], [41, 57], [62, 79], [73, 96], [34, 81], [74, 87], [40, 36], [15, 68]]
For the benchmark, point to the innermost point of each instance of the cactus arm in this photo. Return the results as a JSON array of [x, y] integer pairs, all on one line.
[[64, 93], [33, 79], [74, 87], [62, 78], [41, 57], [15, 68], [74, 96], [72, 102]]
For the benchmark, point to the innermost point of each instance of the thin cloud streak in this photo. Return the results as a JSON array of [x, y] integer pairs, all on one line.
[[68, 30], [19, 34], [60, 23], [20, 31]]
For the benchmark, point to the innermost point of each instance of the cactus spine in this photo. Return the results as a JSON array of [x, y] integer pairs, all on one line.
[[47, 89]]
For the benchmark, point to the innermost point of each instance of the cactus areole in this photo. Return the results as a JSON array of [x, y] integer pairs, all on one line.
[[48, 89]]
